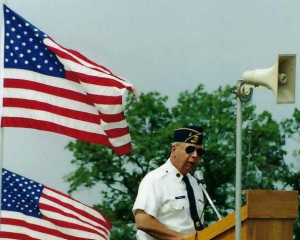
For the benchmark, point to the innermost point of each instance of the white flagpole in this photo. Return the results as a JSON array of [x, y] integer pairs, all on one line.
[[1, 103]]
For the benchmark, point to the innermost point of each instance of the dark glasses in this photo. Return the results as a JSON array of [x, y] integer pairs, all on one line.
[[191, 149]]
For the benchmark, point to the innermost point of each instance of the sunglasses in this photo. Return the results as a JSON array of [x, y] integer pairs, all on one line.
[[191, 149]]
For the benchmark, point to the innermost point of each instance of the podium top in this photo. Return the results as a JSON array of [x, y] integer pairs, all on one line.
[[272, 204], [261, 204]]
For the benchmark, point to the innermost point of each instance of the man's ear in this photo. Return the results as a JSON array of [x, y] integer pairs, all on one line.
[[173, 148]]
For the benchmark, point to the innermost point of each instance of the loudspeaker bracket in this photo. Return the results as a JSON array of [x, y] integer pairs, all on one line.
[[245, 91]]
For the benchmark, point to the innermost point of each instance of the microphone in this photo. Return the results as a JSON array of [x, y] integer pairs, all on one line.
[[199, 176], [200, 180]]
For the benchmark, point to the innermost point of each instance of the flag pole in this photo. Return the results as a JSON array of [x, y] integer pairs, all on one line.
[[1, 104]]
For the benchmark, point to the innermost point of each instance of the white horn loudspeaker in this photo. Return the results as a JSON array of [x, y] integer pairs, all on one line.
[[280, 78]]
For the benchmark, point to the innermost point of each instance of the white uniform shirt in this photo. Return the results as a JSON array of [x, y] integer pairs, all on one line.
[[162, 194]]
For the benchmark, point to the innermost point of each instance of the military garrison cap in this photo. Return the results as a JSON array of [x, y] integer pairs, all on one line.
[[189, 134]]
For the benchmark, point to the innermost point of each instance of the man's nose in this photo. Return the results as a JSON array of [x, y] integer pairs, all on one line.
[[194, 154]]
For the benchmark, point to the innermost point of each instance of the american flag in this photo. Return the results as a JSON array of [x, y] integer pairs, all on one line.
[[51, 88], [32, 211]]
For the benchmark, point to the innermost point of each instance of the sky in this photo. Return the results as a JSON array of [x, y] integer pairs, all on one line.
[[167, 46]]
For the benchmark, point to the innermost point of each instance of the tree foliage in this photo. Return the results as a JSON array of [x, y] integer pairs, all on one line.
[[291, 127], [151, 126]]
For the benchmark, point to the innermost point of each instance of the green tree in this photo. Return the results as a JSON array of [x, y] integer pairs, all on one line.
[[291, 127], [217, 113], [151, 126], [121, 174]]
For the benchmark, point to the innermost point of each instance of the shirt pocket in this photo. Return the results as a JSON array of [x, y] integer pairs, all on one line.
[[179, 204]]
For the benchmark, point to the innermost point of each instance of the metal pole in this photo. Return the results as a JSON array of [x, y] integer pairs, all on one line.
[[243, 94], [1, 103], [238, 186]]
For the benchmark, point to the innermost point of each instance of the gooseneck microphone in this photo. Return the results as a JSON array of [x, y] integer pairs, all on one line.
[[200, 180], [199, 176]]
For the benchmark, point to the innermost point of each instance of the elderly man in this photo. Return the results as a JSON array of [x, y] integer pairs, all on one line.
[[169, 204]]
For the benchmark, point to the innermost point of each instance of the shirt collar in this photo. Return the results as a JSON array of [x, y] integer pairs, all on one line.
[[173, 170]]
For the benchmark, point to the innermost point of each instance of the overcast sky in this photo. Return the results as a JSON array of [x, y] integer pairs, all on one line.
[[159, 45]]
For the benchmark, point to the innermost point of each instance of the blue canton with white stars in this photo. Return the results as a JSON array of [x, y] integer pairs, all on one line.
[[20, 194], [24, 48]]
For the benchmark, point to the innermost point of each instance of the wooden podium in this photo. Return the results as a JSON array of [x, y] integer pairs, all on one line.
[[268, 215]]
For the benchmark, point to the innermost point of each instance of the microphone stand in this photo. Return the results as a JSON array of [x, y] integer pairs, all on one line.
[[210, 201], [201, 183]]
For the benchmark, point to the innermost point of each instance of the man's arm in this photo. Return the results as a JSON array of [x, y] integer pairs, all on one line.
[[154, 228]]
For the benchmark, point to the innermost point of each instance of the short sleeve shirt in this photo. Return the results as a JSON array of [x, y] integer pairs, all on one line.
[[162, 194]]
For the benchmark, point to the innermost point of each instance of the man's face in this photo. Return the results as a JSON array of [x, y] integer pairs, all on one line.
[[183, 161]]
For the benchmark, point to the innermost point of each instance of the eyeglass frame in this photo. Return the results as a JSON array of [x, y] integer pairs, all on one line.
[[194, 149]]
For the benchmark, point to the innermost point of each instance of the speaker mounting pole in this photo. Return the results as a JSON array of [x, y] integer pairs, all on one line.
[[280, 78], [244, 94]]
